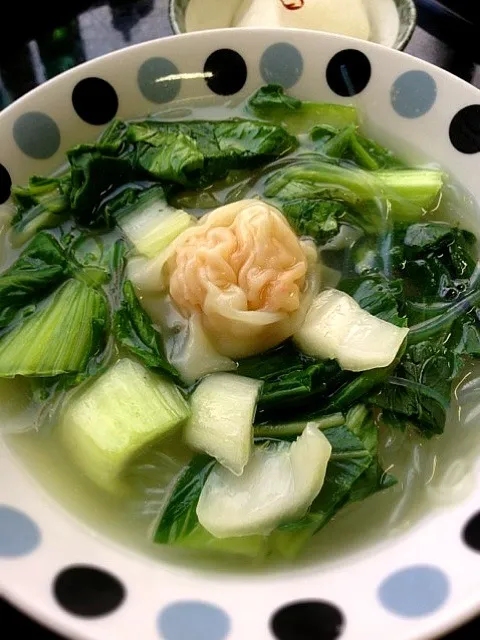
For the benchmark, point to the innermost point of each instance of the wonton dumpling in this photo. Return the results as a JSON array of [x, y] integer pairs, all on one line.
[[245, 273]]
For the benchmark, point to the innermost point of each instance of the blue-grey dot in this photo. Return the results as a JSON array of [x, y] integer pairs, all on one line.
[[37, 135], [415, 591], [158, 79], [282, 63], [193, 620], [19, 535], [413, 94]]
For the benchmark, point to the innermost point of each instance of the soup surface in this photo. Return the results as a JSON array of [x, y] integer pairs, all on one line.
[[242, 331]]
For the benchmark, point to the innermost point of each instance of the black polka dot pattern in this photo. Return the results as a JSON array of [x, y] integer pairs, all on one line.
[[95, 100], [5, 184], [348, 72], [225, 72], [308, 620], [88, 592], [471, 533], [465, 129]]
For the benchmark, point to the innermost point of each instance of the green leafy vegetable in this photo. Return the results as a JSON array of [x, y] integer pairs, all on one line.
[[361, 423], [348, 144], [421, 386], [293, 429], [148, 221], [134, 331], [377, 295], [192, 153], [409, 192], [41, 267], [173, 157], [60, 337], [179, 526], [292, 381], [272, 98], [95, 170], [350, 459], [319, 219], [272, 104], [179, 518], [44, 203]]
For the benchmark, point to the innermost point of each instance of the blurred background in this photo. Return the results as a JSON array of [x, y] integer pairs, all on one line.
[[39, 40]]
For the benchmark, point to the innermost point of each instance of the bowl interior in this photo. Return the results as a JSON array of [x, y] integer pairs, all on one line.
[[423, 114]]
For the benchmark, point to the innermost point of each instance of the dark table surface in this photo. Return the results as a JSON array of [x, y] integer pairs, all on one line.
[[49, 41]]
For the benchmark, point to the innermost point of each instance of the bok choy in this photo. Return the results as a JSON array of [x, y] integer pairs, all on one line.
[[123, 412], [60, 337]]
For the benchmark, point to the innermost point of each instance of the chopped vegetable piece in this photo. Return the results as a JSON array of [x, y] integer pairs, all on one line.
[[134, 331], [409, 192], [44, 203], [60, 337], [223, 408], [271, 103], [178, 524], [278, 484], [350, 461], [41, 267], [295, 429], [150, 223], [337, 327], [194, 355], [123, 412], [180, 151]]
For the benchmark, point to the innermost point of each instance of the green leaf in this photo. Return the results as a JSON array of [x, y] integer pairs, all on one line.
[[179, 518], [42, 204], [464, 338], [41, 267], [174, 158], [407, 192], [370, 155], [426, 236], [377, 295], [360, 421], [294, 382], [295, 387], [179, 524], [272, 99], [290, 430], [96, 170], [133, 330], [112, 207], [347, 144], [196, 152], [420, 388], [60, 337], [319, 219], [114, 136], [274, 363], [271, 103]]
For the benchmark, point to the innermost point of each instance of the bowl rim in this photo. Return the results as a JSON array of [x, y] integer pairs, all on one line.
[[400, 43]]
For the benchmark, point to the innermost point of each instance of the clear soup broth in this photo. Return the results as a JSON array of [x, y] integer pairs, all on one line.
[[432, 470]]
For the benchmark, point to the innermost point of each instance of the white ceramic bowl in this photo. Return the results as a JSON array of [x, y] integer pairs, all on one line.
[[72, 575]]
